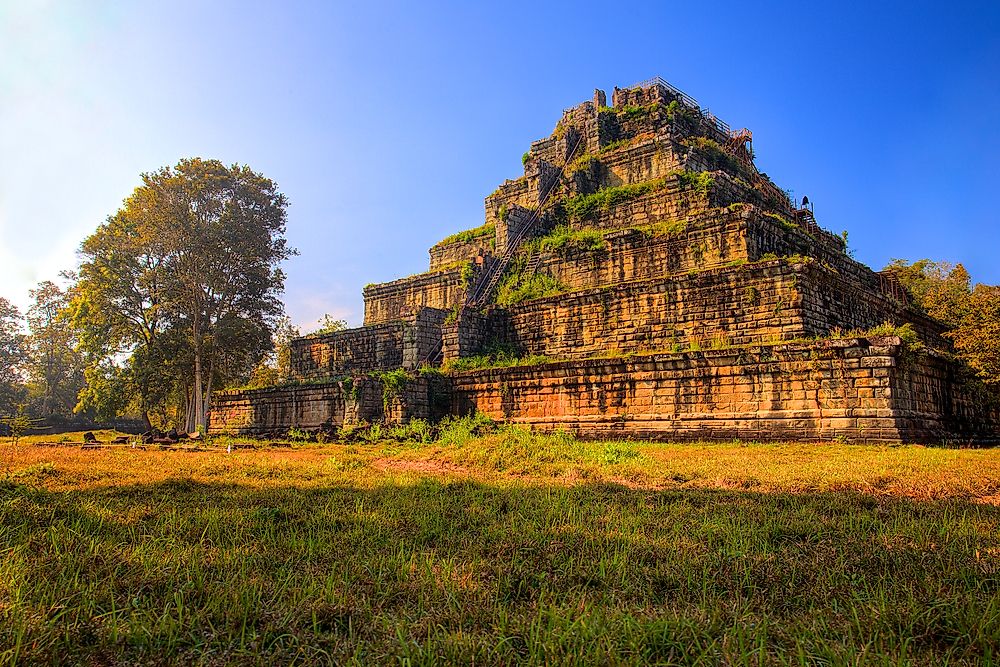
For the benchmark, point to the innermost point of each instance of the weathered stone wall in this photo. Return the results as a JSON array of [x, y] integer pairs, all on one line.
[[639, 97], [642, 249], [675, 201], [725, 306], [275, 410], [422, 337], [767, 236], [399, 299], [762, 302], [327, 406], [465, 335], [830, 301], [449, 255], [643, 161], [670, 203], [708, 241], [821, 390], [369, 348], [935, 402]]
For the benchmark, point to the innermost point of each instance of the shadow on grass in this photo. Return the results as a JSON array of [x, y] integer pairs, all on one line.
[[456, 571]]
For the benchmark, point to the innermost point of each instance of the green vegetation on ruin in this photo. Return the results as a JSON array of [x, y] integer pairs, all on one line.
[[518, 285], [673, 111], [564, 238], [664, 228], [583, 206], [715, 152], [579, 164], [475, 543], [782, 220], [583, 162], [470, 235], [516, 288], [393, 383], [496, 356], [289, 383]]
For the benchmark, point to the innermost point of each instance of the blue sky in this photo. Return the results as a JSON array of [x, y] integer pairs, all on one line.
[[387, 123]]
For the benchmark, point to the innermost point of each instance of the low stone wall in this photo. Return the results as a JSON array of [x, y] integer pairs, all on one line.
[[369, 348], [275, 410], [387, 302], [829, 389], [326, 406], [858, 389]]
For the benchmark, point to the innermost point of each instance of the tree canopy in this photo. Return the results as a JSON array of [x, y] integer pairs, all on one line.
[[179, 290], [945, 292], [54, 365], [12, 354]]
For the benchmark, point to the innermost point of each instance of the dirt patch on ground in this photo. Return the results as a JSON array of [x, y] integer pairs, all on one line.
[[425, 466]]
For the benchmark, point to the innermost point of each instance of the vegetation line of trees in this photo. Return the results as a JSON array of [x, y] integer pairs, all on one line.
[[177, 294]]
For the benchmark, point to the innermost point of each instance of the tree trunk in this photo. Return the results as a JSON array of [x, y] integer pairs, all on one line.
[[207, 405], [198, 409], [188, 409]]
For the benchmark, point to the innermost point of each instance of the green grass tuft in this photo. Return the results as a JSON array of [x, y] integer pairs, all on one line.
[[470, 235], [517, 287], [564, 238]]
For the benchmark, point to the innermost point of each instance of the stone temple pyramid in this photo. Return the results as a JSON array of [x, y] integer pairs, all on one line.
[[641, 278]]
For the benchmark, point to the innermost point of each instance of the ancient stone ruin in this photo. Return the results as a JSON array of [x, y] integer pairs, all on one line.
[[642, 278]]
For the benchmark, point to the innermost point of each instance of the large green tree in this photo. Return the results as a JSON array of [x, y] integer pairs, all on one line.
[[54, 365], [118, 312], [977, 335], [944, 291], [12, 356], [940, 289], [184, 281]]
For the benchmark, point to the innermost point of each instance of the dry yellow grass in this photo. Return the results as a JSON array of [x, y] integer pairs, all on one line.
[[500, 549], [910, 471]]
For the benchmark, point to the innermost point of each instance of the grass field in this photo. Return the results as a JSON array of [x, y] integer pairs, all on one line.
[[500, 549]]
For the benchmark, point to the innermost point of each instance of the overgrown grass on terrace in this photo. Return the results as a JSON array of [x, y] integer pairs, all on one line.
[[672, 111], [564, 238], [498, 357], [517, 285], [716, 152], [583, 206], [495, 546], [469, 235]]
